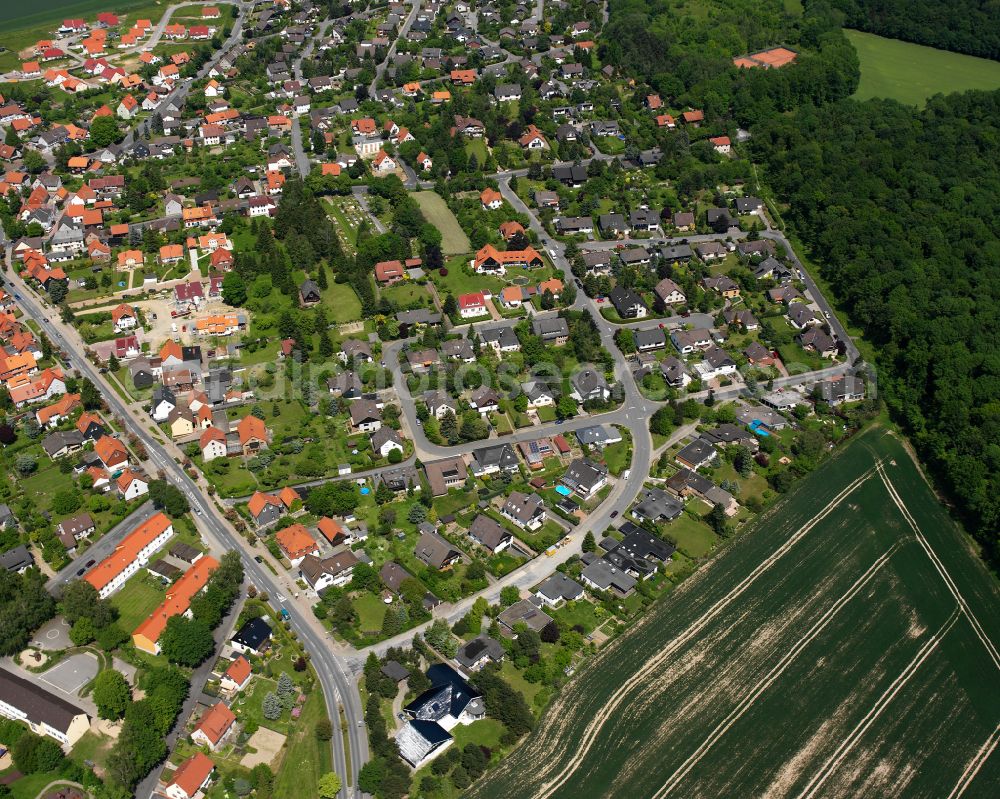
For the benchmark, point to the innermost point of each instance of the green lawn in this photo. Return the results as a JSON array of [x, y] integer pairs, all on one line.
[[486, 733], [459, 281], [371, 611], [139, 597], [453, 501], [579, 612], [406, 293], [911, 73], [794, 354], [454, 240], [44, 483], [341, 303], [694, 538], [250, 705], [306, 759], [477, 147], [547, 413], [618, 457], [23, 24], [92, 746]]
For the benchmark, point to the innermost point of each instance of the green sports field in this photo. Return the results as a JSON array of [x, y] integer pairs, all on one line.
[[911, 73], [847, 647], [454, 240]]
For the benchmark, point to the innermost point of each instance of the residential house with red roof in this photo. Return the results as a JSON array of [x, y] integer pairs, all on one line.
[[215, 726], [191, 777], [237, 676]]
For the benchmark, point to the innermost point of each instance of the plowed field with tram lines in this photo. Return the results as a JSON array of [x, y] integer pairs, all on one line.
[[846, 647]]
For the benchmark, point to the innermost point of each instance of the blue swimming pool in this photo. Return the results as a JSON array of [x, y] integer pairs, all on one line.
[[563, 491], [757, 426], [365, 491]]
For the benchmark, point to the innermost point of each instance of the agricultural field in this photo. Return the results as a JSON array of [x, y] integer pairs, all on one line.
[[454, 240], [845, 646], [911, 73], [23, 24]]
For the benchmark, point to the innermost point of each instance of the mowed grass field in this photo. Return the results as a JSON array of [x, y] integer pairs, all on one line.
[[454, 240], [846, 647], [911, 73]]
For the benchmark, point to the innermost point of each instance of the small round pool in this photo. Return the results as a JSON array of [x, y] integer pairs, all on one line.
[[365, 491], [563, 491]]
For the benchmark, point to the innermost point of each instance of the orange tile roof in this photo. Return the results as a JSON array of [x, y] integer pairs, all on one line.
[[295, 541], [86, 419], [250, 427], [125, 479], [127, 551], [259, 500], [122, 310], [211, 434], [61, 407], [331, 529], [216, 722], [525, 256], [168, 251], [111, 451], [177, 601], [192, 773], [239, 670], [288, 495], [217, 325], [488, 196]]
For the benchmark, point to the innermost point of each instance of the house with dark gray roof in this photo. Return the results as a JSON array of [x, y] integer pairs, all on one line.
[[62, 442], [604, 576], [490, 534], [395, 671], [558, 588], [481, 650], [651, 339], [589, 385], [523, 612], [433, 550], [527, 511], [491, 460], [656, 505], [628, 303], [674, 372], [584, 477], [401, 478], [747, 205], [697, 454], [801, 316], [552, 330], [598, 435], [18, 559]]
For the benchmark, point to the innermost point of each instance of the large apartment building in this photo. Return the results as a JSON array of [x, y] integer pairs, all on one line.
[[130, 555]]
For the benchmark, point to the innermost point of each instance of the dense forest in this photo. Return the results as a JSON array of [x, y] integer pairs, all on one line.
[[899, 208], [964, 26], [687, 54]]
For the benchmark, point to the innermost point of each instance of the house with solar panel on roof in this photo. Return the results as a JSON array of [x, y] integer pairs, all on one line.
[[449, 701]]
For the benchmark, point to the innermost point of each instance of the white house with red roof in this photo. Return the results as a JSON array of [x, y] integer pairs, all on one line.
[[472, 305], [124, 318]]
